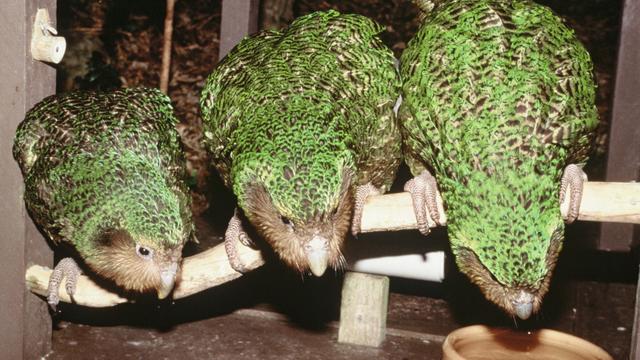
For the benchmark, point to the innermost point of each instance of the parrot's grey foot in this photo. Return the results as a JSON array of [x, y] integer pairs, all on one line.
[[362, 192], [234, 236], [66, 268], [424, 190], [573, 178]]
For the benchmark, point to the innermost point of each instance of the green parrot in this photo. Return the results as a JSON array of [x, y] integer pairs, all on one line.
[[498, 116], [104, 172], [300, 124]]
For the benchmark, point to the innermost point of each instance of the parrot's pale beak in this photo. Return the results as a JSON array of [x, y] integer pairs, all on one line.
[[317, 254], [523, 304], [167, 281]]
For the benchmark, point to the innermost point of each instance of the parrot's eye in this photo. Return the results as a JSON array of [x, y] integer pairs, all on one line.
[[287, 222], [144, 252]]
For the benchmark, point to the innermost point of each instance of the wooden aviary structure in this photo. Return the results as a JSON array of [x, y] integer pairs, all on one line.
[[25, 323], [623, 161], [623, 155], [24, 319]]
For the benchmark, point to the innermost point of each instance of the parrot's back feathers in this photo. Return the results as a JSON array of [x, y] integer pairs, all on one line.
[[97, 161], [293, 111], [326, 84], [62, 124], [499, 98]]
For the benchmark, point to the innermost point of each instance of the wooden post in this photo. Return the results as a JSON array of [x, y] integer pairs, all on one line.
[[25, 323], [635, 334], [623, 158], [363, 311], [239, 19], [166, 47]]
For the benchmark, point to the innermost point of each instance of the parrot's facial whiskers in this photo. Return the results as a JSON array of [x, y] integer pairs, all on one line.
[[305, 243], [136, 266]]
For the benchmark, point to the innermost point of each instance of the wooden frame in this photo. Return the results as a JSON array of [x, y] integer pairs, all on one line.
[[24, 319], [623, 156], [25, 323], [239, 19]]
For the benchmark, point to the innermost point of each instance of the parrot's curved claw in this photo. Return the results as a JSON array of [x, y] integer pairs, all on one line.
[[424, 191], [234, 236], [362, 192], [66, 268], [573, 179]]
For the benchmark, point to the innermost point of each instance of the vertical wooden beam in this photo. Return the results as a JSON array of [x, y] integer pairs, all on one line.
[[363, 310], [239, 19], [25, 323], [634, 350], [623, 159]]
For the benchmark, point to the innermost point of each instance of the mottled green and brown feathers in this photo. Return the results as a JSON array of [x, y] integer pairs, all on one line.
[[498, 99], [106, 169], [302, 111]]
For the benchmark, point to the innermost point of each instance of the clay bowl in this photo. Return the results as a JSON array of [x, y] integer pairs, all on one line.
[[480, 342]]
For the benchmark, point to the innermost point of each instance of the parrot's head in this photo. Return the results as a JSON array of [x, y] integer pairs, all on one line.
[[506, 235], [137, 263], [302, 211], [139, 235]]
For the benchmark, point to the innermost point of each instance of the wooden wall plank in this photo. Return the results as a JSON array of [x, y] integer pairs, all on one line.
[[623, 159], [239, 19], [634, 349], [24, 320]]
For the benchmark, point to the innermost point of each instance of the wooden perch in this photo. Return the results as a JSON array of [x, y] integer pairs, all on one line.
[[199, 272], [601, 201], [44, 45], [607, 202]]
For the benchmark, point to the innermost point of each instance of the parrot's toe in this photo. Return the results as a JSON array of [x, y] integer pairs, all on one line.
[[234, 237], [424, 192], [572, 181], [362, 192], [66, 268]]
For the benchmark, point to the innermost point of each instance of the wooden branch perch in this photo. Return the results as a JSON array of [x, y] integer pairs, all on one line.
[[199, 272], [601, 201], [607, 202]]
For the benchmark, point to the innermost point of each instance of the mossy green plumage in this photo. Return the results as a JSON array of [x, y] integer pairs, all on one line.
[[499, 97], [295, 110], [95, 163]]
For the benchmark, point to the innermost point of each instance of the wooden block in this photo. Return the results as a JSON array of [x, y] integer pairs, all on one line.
[[363, 312], [239, 19]]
